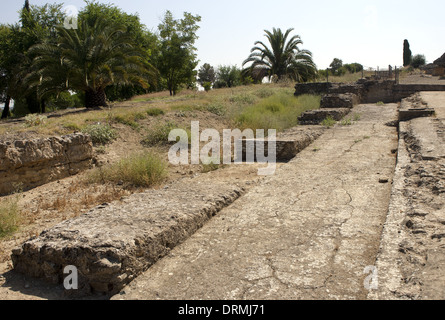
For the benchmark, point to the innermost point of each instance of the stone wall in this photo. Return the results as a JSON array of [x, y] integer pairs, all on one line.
[[27, 164], [368, 91]]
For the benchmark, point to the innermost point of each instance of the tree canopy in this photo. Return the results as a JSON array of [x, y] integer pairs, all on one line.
[[281, 58], [177, 57]]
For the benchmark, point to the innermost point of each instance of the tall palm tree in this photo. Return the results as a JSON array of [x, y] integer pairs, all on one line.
[[282, 58], [89, 59]]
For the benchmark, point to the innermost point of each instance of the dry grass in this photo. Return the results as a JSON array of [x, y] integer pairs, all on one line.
[[141, 170], [9, 216]]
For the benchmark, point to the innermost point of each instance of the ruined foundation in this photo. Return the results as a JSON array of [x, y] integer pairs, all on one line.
[[25, 164]]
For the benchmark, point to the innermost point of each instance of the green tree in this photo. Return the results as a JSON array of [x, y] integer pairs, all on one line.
[[206, 74], [353, 67], [335, 65], [282, 58], [407, 54], [38, 25], [88, 60], [9, 66], [139, 35], [418, 61], [177, 59], [228, 77]]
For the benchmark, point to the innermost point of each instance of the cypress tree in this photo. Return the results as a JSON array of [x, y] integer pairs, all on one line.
[[407, 54]]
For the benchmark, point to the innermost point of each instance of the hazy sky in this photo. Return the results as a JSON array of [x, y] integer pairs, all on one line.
[[367, 32]]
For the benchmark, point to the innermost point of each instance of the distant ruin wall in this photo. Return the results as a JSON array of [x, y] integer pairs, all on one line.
[[27, 164], [368, 91]]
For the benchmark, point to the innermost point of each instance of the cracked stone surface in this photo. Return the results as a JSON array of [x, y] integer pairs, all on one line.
[[307, 232], [411, 260]]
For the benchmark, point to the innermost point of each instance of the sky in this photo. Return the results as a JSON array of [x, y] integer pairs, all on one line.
[[367, 32]]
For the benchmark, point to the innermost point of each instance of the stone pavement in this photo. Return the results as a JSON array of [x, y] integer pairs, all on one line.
[[307, 232], [411, 261]]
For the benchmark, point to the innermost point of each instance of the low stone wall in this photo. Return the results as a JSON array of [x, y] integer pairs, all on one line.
[[314, 117], [368, 91], [346, 100], [27, 164], [113, 244]]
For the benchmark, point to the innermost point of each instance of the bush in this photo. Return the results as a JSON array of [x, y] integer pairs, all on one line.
[[100, 133], [243, 98], [264, 93], [280, 111], [207, 86], [34, 120], [155, 112], [328, 122], [217, 109], [138, 170], [418, 61], [9, 216], [159, 134]]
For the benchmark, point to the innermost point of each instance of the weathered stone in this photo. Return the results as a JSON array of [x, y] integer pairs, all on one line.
[[440, 61], [368, 91], [317, 116], [346, 100], [30, 163], [288, 143], [112, 244]]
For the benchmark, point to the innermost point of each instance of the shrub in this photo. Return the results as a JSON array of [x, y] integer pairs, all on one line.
[[328, 122], [159, 134], [126, 120], [280, 111], [264, 93], [34, 120], [243, 98], [155, 112], [418, 61], [207, 86], [100, 133], [217, 109], [9, 216], [138, 170]]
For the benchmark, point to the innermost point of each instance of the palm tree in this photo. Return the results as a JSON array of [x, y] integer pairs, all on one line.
[[283, 58], [89, 59]]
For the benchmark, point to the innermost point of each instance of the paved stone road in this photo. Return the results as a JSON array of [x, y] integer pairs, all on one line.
[[308, 232]]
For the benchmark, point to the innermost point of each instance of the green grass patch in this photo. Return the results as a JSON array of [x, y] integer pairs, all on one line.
[[155, 112], [328, 122], [9, 216], [265, 93], [100, 134], [279, 111], [243, 98], [145, 169], [216, 108], [159, 134]]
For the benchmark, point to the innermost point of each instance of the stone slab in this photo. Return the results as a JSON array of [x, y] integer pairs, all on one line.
[[114, 243], [317, 116]]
